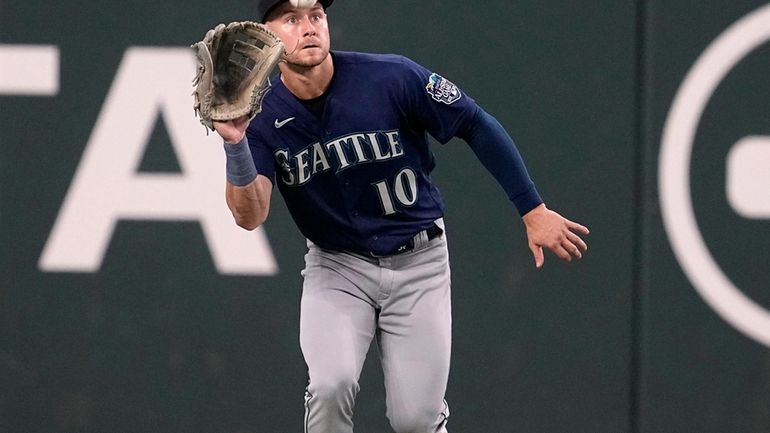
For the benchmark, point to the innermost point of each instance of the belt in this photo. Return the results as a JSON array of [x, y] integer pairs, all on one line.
[[432, 232]]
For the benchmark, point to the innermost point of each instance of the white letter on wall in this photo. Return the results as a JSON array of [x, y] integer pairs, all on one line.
[[107, 186]]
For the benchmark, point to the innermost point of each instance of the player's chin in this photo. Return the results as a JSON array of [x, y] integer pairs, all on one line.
[[308, 57]]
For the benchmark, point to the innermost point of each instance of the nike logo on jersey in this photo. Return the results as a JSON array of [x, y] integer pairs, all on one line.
[[279, 124]]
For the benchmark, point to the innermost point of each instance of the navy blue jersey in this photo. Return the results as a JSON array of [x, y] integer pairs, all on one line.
[[356, 177]]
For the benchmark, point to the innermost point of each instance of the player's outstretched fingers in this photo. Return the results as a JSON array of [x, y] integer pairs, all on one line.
[[575, 227], [563, 252], [572, 235], [573, 250], [578, 242]]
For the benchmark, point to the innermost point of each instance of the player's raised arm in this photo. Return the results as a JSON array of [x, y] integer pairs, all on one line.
[[545, 228], [235, 62], [247, 193]]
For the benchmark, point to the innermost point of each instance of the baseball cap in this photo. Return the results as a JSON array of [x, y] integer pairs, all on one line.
[[264, 7]]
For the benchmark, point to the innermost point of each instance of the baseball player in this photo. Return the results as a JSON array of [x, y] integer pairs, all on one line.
[[344, 137]]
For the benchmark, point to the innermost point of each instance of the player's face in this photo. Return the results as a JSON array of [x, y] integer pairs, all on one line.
[[304, 32]]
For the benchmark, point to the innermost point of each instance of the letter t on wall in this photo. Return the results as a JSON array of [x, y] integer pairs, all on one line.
[[31, 70]]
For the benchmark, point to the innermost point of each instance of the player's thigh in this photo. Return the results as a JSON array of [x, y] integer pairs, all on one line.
[[337, 319], [415, 336]]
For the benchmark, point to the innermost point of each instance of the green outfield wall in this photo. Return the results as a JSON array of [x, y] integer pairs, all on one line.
[[129, 301]]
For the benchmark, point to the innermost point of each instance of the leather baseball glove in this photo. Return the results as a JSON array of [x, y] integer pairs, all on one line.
[[235, 62]]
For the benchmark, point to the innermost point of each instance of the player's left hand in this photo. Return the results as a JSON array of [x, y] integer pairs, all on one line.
[[546, 228], [232, 131]]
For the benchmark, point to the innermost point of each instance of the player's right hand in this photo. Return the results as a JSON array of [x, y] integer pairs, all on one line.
[[546, 228], [232, 131]]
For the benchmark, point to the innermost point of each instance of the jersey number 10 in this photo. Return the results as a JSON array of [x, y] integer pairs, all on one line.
[[404, 187]]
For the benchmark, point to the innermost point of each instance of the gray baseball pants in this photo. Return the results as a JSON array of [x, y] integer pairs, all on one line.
[[403, 301]]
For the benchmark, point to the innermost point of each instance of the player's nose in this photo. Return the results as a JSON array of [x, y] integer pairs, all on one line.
[[308, 29]]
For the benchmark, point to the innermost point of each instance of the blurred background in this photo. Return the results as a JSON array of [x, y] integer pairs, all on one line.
[[130, 303]]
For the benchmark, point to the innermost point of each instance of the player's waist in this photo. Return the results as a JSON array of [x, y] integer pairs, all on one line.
[[379, 246], [413, 243]]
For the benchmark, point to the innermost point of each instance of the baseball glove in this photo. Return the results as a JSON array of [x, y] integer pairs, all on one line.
[[235, 62]]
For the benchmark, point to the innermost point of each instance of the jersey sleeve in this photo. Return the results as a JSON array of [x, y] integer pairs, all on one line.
[[500, 156], [445, 111], [437, 104]]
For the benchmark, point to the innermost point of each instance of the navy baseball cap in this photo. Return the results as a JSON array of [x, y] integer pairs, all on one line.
[[264, 7]]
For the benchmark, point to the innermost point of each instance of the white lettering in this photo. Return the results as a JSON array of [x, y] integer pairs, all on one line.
[[357, 139], [349, 151], [320, 163], [678, 138], [303, 166], [336, 145], [748, 177], [395, 146], [406, 193], [287, 174], [29, 70], [107, 187], [378, 155]]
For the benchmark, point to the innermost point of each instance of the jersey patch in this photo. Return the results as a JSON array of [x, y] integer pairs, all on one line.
[[442, 90]]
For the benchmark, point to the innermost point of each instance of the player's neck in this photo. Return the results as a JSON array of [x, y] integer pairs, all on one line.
[[308, 83]]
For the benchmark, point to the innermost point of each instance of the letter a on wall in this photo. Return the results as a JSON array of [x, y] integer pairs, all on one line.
[[108, 187]]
